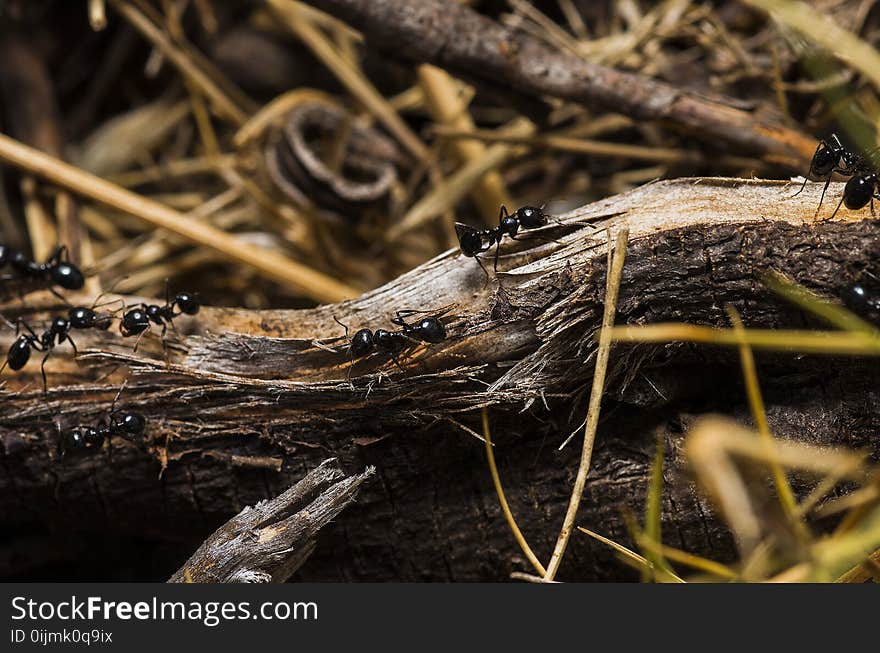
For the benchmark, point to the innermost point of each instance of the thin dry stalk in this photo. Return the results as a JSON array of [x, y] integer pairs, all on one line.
[[271, 264], [442, 98], [224, 104], [616, 258], [505, 508]]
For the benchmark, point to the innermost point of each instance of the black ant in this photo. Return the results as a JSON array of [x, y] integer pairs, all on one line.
[[56, 271], [860, 189], [125, 424], [136, 321], [364, 342], [473, 241], [830, 156], [78, 317]]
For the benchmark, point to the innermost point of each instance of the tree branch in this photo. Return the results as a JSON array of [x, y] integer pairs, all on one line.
[[253, 399], [271, 540], [456, 38]]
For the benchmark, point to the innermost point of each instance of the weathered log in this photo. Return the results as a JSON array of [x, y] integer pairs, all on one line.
[[271, 540], [253, 399]]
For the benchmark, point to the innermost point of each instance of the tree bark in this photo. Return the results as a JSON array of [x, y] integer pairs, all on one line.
[[253, 399]]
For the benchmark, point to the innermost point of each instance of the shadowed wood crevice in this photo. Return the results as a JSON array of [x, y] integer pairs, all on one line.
[[249, 402]]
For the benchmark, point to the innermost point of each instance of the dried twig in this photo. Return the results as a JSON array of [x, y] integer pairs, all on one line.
[[270, 541], [455, 37]]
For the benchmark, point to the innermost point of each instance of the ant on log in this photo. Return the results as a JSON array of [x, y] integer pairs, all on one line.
[[136, 321], [125, 424], [831, 157], [473, 241], [365, 341], [56, 271], [861, 188], [78, 317]]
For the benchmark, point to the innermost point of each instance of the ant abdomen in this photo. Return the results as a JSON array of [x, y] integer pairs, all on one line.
[[131, 425], [68, 276], [861, 300], [858, 191], [19, 353], [187, 303]]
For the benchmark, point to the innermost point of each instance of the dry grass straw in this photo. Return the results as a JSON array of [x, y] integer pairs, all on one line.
[[824, 31], [616, 258], [184, 62], [351, 77], [442, 96], [302, 278], [505, 508], [455, 188], [720, 452]]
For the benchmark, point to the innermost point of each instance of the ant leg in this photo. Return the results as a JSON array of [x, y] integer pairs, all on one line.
[[72, 344], [483, 268], [95, 303], [400, 320], [116, 398], [164, 346], [502, 214], [835, 210], [43, 372], [350, 368], [806, 177], [822, 197], [55, 257], [397, 362], [58, 295], [6, 321], [140, 335], [497, 253], [804, 185]]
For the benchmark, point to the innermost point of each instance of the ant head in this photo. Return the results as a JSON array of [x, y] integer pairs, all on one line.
[[361, 343], [68, 276], [72, 439], [859, 190], [531, 217], [134, 322], [826, 157], [469, 239], [131, 425], [431, 329], [188, 303]]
